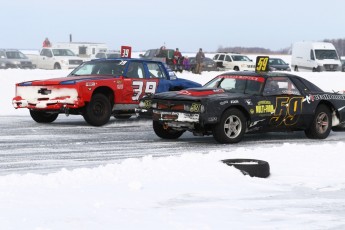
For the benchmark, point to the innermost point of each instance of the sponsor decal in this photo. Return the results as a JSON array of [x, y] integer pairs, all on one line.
[[212, 119], [234, 102], [328, 97], [195, 107], [120, 86], [223, 102], [251, 78], [251, 111], [248, 101], [264, 107]]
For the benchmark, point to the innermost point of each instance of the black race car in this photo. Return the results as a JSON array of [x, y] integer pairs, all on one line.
[[236, 103]]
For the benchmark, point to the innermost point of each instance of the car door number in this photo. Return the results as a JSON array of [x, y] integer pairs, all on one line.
[[287, 111], [138, 88]]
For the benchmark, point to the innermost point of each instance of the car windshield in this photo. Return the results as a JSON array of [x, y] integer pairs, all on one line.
[[276, 61], [240, 58], [63, 52], [114, 68], [326, 54], [15, 55], [237, 84]]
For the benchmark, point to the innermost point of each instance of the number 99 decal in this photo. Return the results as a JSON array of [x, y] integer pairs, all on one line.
[[138, 89]]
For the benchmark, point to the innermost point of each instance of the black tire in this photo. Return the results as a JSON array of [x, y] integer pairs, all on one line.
[[98, 110], [322, 123], [251, 167], [165, 133], [236, 68], [231, 127], [42, 116], [57, 66]]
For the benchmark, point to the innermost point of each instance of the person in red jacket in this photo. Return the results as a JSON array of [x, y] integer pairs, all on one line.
[[46, 43], [177, 60]]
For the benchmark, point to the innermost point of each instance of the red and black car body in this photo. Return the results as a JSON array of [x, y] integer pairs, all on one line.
[[236, 103]]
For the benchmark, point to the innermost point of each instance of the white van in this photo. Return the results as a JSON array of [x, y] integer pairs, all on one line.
[[315, 57]]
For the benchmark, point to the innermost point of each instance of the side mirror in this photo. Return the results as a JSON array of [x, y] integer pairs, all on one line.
[[141, 55]]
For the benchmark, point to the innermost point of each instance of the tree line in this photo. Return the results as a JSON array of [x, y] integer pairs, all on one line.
[[339, 44]]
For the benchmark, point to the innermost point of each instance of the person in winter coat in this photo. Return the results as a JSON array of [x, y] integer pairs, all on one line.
[[46, 43], [199, 58], [186, 63], [177, 60]]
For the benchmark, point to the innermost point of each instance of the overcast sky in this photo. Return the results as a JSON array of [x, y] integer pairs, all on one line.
[[145, 24]]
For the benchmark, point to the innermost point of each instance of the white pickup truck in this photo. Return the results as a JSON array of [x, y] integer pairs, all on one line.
[[55, 58]]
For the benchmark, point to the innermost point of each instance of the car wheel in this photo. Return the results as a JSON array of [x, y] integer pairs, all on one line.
[[98, 110], [231, 127], [42, 116], [165, 132], [236, 68], [57, 66], [321, 124], [251, 167]]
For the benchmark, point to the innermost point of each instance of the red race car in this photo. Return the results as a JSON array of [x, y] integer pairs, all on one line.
[[98, 89]]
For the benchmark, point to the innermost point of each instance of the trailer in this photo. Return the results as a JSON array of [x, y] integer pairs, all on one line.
[[83, 49]]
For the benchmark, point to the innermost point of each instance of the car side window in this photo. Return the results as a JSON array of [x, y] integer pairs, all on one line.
[[227, 58], [135, 70], [221, 57], [216, 57], [156, 71], [280, 86]]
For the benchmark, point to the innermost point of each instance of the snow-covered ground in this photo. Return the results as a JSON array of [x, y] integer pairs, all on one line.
[[194, 190]]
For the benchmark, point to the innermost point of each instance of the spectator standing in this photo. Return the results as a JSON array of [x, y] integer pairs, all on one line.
[[199, 58], [46, 43], [177, 60], [186, 63]]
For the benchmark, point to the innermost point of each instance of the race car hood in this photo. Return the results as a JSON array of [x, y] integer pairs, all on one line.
[[64, 80], [196, 94]]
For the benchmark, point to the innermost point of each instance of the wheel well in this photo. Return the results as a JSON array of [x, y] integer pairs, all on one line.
[[331, 107], [109, 93], [243, 110]]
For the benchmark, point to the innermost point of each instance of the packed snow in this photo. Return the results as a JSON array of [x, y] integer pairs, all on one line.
[[306, 189]]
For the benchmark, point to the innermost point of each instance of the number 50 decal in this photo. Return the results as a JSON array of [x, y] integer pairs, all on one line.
[[138, 88], [261, 64]]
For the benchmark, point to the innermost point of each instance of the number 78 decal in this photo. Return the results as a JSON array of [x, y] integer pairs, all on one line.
[[138, 88]]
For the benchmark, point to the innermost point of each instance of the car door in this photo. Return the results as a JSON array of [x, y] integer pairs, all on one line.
[[46, 59], [137, 83], [284, 102]]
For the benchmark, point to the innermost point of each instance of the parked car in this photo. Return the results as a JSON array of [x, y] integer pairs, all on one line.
[[55, 58], [207, 65], [235, 103], [108, 54], [97, 90], [342, 65], [153, 54], [232, 61], [13, 58], [278, 64]]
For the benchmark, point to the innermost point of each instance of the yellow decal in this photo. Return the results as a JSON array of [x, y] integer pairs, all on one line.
[[264, 109], [287, 111], [195, 107], [261, 64]]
